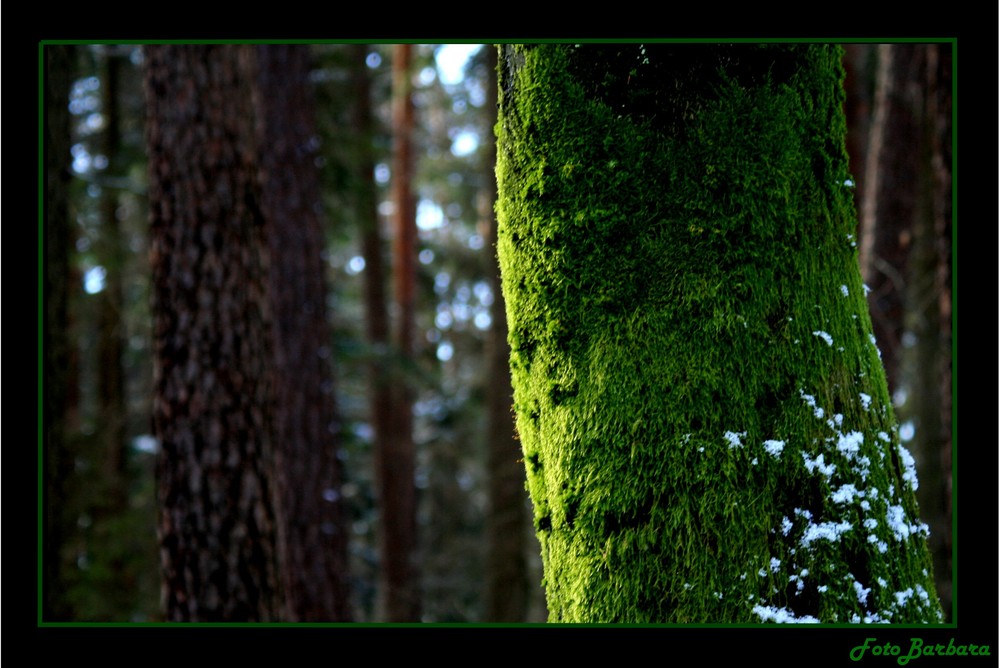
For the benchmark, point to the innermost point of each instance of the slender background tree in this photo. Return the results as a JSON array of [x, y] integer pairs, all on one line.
[[396, 463], [376, 314]]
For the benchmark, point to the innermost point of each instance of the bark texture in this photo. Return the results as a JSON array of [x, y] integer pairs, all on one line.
[[211, 352], [706, 426], [313, 532]]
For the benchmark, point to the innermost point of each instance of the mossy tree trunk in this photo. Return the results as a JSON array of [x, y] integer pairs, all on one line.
[[704, 416]]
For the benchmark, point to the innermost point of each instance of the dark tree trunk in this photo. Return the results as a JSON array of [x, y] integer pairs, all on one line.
[[211, 353], [314, 531], [382, 362], [58, 459], [507, 519]]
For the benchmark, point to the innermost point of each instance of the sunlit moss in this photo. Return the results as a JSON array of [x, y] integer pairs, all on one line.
[[668, 261]]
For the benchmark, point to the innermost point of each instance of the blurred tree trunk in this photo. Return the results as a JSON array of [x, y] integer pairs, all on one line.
[[313, 532], [211, 354], [376, 313], [58, 459], [507, 519], [905, 255], [374, 278], [886, 209], [396, 461]]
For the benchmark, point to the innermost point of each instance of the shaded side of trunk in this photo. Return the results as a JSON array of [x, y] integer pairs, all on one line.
[[211, 352], [396, 461], [506, 521], [58, 460], [314, 532]]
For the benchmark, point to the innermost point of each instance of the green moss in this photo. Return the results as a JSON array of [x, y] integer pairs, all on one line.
[[671, 287]]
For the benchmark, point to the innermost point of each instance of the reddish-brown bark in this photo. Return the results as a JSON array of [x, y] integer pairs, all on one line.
[[396, 459], [211, 352]]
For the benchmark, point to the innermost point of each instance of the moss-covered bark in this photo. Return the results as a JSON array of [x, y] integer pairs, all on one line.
[[704, 416]]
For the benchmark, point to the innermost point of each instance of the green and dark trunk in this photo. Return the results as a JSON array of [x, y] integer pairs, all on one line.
[[704, 416]]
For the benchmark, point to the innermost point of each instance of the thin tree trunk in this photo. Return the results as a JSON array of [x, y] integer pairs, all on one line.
[[211, 354], [869, 213], [374, 276], [396, 462], [887, 205], [313, 526]]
